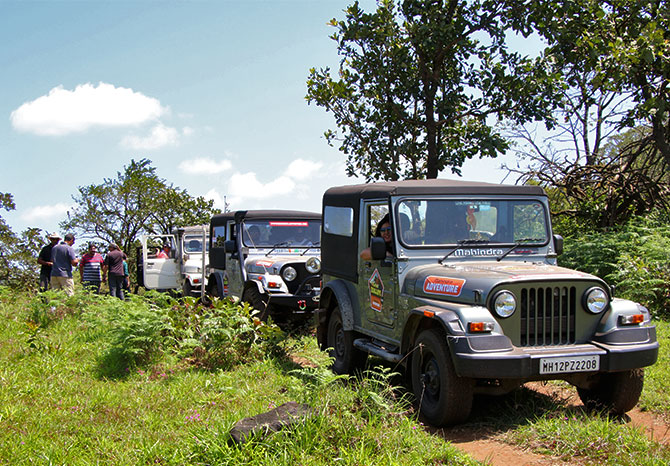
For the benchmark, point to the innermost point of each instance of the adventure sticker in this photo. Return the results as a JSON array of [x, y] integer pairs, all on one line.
[[443, 286], [264, 263], [376, 287]]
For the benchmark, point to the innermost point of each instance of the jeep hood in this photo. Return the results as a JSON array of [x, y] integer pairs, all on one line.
[[273, 264], [461, 282]]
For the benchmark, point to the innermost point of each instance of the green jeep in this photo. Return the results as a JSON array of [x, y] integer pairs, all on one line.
[[467, 297]]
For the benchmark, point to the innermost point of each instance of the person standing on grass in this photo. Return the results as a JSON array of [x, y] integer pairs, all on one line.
[[112, 267], [44, 259], [89, 269], [63, 258]]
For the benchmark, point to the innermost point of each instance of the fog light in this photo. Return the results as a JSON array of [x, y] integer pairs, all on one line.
[[631, 320], [480, 327]]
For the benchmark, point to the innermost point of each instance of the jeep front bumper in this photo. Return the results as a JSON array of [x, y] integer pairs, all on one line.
[[474, 358], [298, 304]]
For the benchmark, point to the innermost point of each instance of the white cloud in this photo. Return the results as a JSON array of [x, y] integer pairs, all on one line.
[[187, 131], [204, 166], [64, 111], [247, 186], [301, 169], [45, 212], [159, 136]]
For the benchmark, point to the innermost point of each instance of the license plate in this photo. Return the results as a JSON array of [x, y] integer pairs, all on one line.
[[569, 364]]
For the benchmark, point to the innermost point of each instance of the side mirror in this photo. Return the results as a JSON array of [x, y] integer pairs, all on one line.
[[558, 244], [230, 246], [378, 248]]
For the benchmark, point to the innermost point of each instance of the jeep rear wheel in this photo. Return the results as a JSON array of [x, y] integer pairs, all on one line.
[[347, 359], [616, 392], [256, 300], [187, 288], [441, 396]]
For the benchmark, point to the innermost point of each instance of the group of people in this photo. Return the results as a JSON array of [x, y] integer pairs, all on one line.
[[58, 258]]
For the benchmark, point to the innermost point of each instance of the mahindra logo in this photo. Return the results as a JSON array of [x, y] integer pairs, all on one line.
[[443, 286]]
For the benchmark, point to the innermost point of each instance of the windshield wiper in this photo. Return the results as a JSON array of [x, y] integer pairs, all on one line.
[[311, 246], [462, 242], [517, 243], [278, 245]]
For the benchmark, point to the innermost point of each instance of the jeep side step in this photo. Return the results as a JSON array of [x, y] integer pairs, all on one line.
[[375, 349]]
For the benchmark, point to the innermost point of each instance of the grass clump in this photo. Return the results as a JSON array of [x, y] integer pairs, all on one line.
[[593, 439]]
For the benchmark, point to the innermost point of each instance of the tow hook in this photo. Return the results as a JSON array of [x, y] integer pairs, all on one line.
[[302, 304]]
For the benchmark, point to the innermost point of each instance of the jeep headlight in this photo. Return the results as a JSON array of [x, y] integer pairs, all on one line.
[[504, 304], [313, 265], [595, 300], [289, 274]]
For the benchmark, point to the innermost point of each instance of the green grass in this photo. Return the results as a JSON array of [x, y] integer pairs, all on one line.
[[167, 406], [56, 408]]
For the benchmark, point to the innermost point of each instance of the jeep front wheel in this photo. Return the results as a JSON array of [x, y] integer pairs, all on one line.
[[256, 300], [441, 396], [616, 392], [346, 357]]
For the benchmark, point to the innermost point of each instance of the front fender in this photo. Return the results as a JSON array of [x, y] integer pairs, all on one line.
[[340, 292]]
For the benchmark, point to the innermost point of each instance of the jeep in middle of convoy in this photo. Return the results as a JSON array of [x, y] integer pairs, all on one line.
[[267, 258]]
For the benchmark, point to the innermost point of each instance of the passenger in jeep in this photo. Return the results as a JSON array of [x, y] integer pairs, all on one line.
[[384, 230]]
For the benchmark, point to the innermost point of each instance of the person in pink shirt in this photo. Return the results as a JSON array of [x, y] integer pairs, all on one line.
[[90, 267]]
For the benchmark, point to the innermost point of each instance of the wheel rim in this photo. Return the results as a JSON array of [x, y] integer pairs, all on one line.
[[430, 377]]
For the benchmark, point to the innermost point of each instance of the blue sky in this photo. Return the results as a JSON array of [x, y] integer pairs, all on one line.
[[211, 91]]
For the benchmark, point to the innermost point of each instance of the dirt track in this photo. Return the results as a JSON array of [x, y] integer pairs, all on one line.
[[482, 442]]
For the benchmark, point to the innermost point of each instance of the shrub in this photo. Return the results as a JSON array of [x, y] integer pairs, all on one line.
[[635, 258], [225, 334], [140, 332]]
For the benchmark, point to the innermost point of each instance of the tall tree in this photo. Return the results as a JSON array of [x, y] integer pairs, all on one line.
[[18, 253], [421, 84], [136, 201], [608, 154]]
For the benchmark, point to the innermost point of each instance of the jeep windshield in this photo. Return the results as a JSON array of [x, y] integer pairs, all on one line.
[[460, 223], [193, 244], [281, 233]]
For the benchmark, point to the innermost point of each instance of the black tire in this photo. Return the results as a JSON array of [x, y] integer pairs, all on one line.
[[616, 392], [441, 396], [347, 359], [187, 289], [257, 300], [212, 291]]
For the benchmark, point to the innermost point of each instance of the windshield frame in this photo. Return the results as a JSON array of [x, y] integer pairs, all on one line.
[[280, 244], [470, 243]]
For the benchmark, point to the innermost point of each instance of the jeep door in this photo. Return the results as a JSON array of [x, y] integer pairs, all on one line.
[[377, 283], [234, 261], [159, 274]]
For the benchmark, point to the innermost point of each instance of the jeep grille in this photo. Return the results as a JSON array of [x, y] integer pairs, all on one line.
[[548, 315]]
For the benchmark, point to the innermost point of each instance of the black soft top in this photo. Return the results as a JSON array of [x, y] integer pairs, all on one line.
[[347, 195], [339, 253], [222, 219]]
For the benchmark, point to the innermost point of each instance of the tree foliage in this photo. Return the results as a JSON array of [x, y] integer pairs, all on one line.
[[18, 253], [137, 201], [421, 82], [609, 154]]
